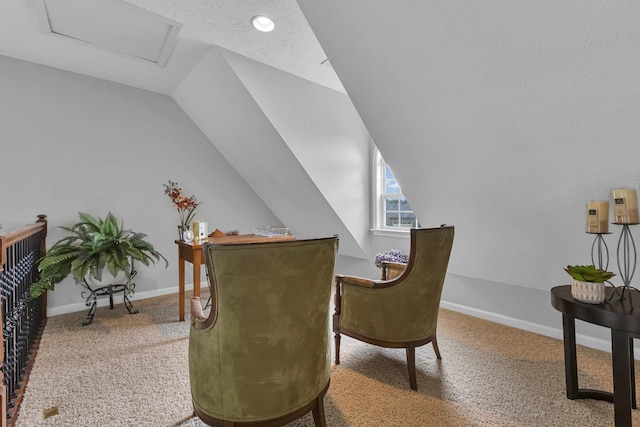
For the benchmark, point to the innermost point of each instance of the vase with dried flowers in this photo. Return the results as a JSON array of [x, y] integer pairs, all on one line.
[[186, 206]]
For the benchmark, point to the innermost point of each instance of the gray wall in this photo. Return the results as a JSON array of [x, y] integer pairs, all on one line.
[[503, 118], [71, 143]]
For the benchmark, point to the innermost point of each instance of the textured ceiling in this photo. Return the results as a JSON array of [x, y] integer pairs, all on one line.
[[291, 47]]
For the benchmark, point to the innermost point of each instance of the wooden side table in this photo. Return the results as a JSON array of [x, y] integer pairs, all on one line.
[[617, 315], [192, 252]]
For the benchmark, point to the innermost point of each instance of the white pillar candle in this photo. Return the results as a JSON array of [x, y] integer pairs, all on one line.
[[625, 206], [597, 216]]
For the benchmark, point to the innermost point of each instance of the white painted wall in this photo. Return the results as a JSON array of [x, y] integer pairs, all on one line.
[[503, 118], [324, 132], [72, 143], [216, 98]]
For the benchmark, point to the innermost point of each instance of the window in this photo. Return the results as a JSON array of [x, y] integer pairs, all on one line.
[[392, 210]]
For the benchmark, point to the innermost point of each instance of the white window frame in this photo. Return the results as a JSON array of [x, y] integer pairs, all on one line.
[[379, 200]]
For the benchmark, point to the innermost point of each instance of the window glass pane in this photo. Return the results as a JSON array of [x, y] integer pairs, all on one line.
[[392, 205], [391, 186], [387, 172], [404, 205], [392, 219], [407, 219]]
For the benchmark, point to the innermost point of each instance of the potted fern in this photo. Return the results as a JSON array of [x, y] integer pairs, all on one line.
[[95, 246], [588, 282]]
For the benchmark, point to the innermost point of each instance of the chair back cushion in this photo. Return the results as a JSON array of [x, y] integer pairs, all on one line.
[[267, 352]]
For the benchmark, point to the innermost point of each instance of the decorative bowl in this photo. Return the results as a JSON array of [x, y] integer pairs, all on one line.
[[270, 231]]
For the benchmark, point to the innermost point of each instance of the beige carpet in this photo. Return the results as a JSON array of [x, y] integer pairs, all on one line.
[[131, 370]]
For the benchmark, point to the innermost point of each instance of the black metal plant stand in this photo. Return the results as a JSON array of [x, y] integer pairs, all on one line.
[[91, 295]]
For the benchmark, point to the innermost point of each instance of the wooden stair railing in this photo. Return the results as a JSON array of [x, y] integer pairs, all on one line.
[[23, 318]]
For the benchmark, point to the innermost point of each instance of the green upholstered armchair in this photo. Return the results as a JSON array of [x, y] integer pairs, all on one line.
[[262, 355], [401, 310]]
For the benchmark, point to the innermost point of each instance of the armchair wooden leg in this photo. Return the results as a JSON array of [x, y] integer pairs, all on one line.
[[411, 365], [434, 342], [337, 338], [318, 412]]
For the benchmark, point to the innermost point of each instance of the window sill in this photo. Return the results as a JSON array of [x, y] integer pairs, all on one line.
[[387, 232]]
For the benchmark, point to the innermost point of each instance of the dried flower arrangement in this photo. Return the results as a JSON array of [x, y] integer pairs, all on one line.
[[186, 205]]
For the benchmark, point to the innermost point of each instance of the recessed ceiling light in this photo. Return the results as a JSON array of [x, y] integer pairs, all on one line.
[[263, 23]]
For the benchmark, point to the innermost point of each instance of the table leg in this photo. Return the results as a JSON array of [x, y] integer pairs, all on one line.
[[197, 261], [632, 365], [570, 357], [181, 284], [620, 354]]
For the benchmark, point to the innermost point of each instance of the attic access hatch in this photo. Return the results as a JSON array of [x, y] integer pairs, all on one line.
[[111, 25]]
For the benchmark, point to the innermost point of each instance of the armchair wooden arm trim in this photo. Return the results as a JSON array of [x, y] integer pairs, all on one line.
[[354, 280], [398, 265], [364, 282], [391, 270]]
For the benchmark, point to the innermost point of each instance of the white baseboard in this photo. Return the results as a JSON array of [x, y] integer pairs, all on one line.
[[117, 299], [585, 340]]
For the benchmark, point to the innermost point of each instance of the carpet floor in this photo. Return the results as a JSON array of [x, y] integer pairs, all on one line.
[[131, 370]]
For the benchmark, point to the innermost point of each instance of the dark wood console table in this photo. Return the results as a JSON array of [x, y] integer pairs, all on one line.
[[192, 252], [617, 315]]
